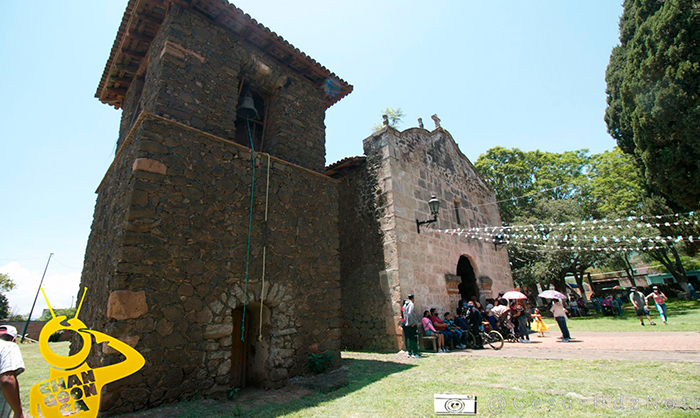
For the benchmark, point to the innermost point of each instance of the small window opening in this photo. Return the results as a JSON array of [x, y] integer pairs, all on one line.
[[459, 222], [257, 125]]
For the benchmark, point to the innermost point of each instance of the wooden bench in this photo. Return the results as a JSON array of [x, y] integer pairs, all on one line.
[[422, 338]]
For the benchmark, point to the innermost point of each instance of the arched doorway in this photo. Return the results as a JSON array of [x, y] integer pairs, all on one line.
[[469, 286], [249, 358]]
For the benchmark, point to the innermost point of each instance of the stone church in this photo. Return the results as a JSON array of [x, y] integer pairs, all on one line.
[[383, 256], [222, 248]]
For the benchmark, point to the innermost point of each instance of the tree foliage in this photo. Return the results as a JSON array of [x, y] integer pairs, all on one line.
[[4, 307], [70, 312], [394, 116], [539, 189], [653, 88], [6, 284], [522, 178]]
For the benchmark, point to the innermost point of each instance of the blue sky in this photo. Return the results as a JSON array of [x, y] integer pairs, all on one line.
[[519, 73]]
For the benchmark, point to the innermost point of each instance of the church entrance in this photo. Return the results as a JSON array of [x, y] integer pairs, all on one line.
[[468, 287]]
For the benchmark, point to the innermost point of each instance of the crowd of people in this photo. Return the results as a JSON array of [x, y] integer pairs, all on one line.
[[612, 305], [450, 331], [515, 319]]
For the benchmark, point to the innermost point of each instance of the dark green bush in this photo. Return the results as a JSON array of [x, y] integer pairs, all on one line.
[[320, 362]]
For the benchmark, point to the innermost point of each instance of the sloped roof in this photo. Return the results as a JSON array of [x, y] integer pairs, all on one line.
[[345, 162], [143, 18]]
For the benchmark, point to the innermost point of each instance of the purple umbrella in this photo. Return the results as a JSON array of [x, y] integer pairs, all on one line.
[[552, 294]]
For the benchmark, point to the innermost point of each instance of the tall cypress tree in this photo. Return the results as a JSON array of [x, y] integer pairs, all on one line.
[[653, 88]]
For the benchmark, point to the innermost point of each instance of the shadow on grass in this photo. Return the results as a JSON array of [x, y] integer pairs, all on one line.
[[287, 400]]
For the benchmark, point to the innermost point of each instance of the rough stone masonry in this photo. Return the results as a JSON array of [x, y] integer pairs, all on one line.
[[166, 260], [169, 267]]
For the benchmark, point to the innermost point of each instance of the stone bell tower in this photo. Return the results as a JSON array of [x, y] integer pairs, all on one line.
[[214, 245]]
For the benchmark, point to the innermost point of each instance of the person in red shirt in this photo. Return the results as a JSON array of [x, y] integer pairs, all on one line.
[[441, 328]]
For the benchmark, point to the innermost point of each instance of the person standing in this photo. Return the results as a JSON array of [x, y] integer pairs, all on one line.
[[403, 325], [560, 316], [521, 317], [474, 318], [660, 301], [411, 322], [540, 326], [11, 365], [691, 292], [641, 306]]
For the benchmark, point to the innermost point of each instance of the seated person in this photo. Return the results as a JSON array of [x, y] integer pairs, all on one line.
[[441, 328], [573, 307], [430, 330], [460, 336], [582, 307]]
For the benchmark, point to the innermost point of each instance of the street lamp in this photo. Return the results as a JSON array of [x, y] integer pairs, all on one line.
[[434, 205], [498, 241]]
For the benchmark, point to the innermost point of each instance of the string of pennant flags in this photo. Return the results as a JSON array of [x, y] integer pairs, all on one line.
[[573, 238], [646, 243], [632, 221], [523, 235]]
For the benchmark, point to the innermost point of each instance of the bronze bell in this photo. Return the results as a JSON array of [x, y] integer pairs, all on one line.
[[247, 107]]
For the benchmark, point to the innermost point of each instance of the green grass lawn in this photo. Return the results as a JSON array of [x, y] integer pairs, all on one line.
[[37, 369], [382, 387], [683, 315], [387, 385]]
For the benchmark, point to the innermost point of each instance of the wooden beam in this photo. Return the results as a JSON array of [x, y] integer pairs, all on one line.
[[121, 80], [149, 17], [134, 54], [129, 68], [140, 37], [121, 91]]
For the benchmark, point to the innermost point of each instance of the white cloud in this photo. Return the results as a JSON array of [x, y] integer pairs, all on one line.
[[59, 288]]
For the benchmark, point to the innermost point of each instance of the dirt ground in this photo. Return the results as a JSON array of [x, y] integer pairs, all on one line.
[[634, 346]]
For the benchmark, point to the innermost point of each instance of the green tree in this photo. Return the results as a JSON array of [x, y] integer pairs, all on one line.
[[521, 178], [70, 312], [4, 307], [6, 284], [653, 88]]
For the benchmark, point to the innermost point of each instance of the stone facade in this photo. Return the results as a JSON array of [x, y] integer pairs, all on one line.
[[386, 192], [166, 267], [166, 263], [194, 75]]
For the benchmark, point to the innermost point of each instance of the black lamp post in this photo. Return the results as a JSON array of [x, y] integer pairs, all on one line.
[[434, 205]]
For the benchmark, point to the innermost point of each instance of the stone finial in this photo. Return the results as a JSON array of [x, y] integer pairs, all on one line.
[[436, 119], [385, 120], [420, 123]]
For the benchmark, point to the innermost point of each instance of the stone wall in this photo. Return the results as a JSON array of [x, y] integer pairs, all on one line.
[[422, 163], [367, 302], [166, 264], [193, 76], [33, 330]]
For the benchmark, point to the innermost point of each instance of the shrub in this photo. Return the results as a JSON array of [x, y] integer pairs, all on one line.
[[319, 362]]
